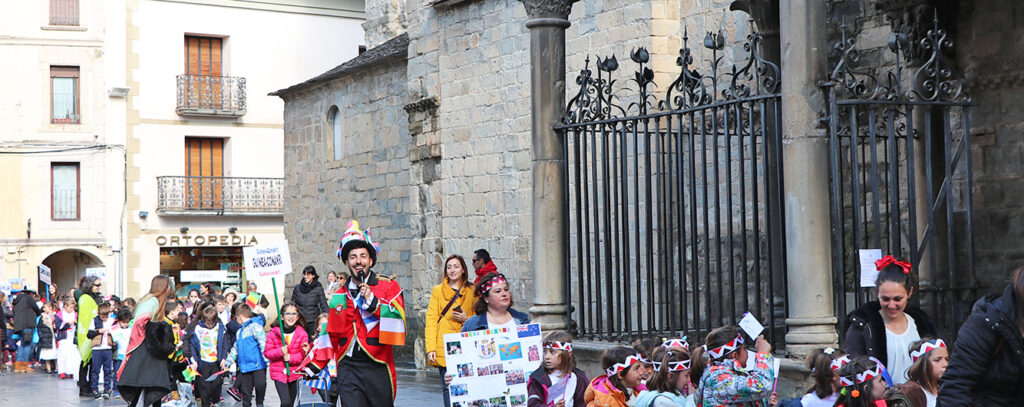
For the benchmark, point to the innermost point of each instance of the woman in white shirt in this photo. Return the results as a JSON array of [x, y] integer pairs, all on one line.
[[886, 328]]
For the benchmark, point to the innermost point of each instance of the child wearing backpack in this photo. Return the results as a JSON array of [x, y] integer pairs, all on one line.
[[557, 382], [247, 352]]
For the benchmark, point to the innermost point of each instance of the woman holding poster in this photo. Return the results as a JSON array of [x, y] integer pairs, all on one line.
[[493, 306], [451, 304]]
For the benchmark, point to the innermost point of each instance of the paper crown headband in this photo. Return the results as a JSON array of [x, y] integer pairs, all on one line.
[[676, 343], [556, 345], [865, 375], [889, 260], [492, 283], [838, 363], [925, 348], [723, 350], [673, 366], [354, 234], [618, 367]]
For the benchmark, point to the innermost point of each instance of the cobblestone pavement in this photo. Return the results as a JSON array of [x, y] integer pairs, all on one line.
[[415, 388]]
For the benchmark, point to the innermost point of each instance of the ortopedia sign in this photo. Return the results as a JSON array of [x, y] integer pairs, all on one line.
[[204, 275], [206, 240], [267, 261]]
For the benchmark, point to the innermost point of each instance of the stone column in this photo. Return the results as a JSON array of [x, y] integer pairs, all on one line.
[[811, 319], [547, 24]]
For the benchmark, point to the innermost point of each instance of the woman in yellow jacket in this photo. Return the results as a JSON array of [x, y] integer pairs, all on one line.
[[451, 304]]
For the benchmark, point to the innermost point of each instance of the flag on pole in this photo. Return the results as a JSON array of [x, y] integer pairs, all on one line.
[[392, 321], [252, 299]]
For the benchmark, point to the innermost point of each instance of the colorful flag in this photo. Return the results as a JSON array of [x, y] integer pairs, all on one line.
[[321, 354], [392, 322], [339, 301], [190, 374], [252, 299], [322, 380]]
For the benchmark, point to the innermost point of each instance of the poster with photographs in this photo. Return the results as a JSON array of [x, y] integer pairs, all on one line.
[[490, 368]]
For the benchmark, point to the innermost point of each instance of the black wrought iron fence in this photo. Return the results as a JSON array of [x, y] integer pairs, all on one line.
[[901, 175], [671, 197]]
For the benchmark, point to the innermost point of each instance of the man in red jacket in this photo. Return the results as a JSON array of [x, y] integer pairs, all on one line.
[[366, 318], [482, 264]]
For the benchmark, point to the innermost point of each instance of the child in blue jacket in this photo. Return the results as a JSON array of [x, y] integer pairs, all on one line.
[[248, 353]]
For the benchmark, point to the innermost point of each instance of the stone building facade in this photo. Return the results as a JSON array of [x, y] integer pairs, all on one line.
[[435, 129]]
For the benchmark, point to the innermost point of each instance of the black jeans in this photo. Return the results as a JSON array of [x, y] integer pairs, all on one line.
[[287, 392], [444, 387], [246, 382]]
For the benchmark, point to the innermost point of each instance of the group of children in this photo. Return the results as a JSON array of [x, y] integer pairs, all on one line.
[[723, 372], [216, 341]]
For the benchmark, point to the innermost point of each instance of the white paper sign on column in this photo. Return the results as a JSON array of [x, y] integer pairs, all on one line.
[[267, 261], [868, 271], [44, 274]]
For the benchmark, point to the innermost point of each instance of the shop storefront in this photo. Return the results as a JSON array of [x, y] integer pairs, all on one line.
[[191, 260]]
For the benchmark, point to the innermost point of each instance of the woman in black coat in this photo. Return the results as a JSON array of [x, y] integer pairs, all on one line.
[[871, 325], [987, 363], [310, 298]]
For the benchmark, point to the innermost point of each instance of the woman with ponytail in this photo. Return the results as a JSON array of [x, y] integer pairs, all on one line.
[[884, 329]]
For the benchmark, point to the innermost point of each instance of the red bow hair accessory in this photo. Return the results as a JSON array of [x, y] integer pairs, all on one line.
[[889, 260]]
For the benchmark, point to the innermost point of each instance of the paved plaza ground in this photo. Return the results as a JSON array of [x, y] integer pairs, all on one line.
[[415, 388]]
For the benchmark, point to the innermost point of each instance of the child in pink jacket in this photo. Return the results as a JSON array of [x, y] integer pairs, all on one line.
[[292, 347]]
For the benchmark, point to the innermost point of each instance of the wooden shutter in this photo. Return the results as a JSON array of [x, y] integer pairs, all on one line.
[[204, 165], [203, 67]]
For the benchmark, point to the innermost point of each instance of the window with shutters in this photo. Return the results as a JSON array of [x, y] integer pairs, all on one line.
[[64, 95], [204, 89], [64, 12], [204, 166], [64, 191]]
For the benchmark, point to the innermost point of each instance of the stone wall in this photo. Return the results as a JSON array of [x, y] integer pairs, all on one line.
[[989, 39], [371, 181]]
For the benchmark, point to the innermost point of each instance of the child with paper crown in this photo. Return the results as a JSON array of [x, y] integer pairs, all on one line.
[[725, 381], [863, 384], [620, 384], [824, 365], [557, 382], [669, 385], [366, 318], [930, 358]]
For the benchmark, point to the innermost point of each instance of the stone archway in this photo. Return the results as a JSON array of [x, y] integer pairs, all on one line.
[[68, 265]]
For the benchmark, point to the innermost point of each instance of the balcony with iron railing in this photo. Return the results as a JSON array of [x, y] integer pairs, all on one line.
[[206, 95], [220, 196]]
